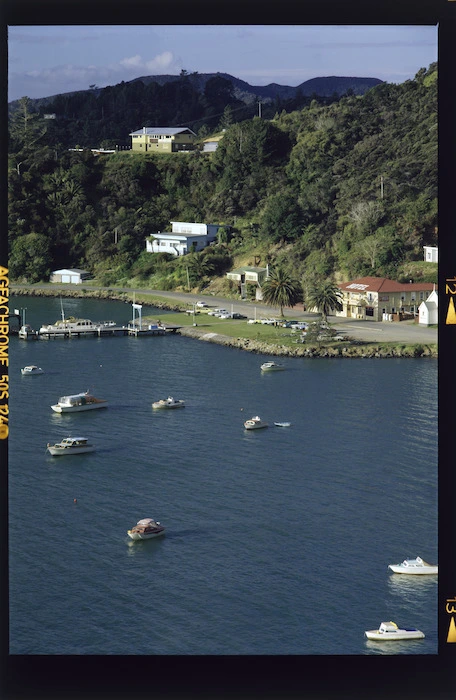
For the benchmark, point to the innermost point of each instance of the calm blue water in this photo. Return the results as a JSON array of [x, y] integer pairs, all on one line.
[[275, 539]]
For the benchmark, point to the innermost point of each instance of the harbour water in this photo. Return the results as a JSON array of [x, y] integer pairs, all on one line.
[[274, 538]]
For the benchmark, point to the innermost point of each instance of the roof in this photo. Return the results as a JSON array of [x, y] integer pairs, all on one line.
[[166, 130], [214, 139], [178, 235], [382, 284], [240, 270], [72, 270]]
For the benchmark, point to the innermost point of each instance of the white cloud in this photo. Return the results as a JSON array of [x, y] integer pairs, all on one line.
[[158, 64], [133, 61]]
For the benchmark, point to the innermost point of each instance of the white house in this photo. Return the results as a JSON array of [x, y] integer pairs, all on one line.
[[183, 237], [428, 311], [70, 276], [431, 253]]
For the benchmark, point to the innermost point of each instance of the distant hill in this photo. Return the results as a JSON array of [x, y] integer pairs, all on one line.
[[323, 87]]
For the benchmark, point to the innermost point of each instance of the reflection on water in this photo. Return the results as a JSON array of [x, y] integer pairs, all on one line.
[[395, 647], [411, 587]]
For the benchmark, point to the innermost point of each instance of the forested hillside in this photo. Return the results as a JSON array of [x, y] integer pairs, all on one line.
[[329, 190]]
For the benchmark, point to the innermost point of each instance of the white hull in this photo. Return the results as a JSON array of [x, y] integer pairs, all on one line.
[[58, 451], [415, 567], [141, 536], [276, 368], [25, 372], [76, 409], [156, 405], [169, 403], [377, 636], [415, 571], [255, 423]]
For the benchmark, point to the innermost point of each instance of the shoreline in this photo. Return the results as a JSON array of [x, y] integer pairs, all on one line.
[[357, 349]]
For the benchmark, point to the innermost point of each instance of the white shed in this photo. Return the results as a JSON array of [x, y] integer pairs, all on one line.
[[428, 310], [69, 276], [431, 253]]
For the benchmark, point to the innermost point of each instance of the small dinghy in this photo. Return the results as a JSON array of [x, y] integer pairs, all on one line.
[[283, 425]]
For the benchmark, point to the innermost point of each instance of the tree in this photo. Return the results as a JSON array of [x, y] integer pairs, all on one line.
[[198, 268], [325, 297], [280, 289], [30, 258]]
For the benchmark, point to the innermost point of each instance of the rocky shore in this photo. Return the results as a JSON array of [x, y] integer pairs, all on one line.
[[356, 349], [347, 349]]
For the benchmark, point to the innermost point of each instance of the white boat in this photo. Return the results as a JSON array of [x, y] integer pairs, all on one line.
[[414, 566], [31, 369], [271, 367], [169, 403], [78, 402], [283, 425], [70, 446], [145, 529], [255, 423], [26, 332], [389, 631], [78, 326]]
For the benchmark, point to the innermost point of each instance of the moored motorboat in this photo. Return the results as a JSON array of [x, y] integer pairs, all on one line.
[[271, 367], [78, 402], [78, 326], [389, 631], [31, 369], [26, 332], [145, 529], [255, 423], [170, 402], [414, 566], [70, 446]]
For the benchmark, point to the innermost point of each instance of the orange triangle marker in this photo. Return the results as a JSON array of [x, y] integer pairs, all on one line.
[[452, 631]]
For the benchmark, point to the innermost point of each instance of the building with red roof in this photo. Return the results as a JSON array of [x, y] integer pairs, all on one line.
[[380, 299]]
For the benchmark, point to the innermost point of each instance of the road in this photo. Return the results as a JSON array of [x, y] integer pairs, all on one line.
[[371, 331]]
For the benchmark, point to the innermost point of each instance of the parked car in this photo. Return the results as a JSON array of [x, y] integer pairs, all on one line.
[[201, 304], [299, 326], [254, 320], [236, 315]]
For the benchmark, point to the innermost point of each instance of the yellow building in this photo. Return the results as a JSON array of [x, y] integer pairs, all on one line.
[[381, 299], [162, 139]]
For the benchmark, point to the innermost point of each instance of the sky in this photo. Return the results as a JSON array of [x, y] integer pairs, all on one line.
[[50, 60]]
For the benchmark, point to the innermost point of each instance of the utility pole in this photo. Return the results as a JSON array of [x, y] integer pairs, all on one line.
[[381, 187], [259, 109]]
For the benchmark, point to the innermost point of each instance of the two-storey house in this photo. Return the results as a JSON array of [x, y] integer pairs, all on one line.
[[162, 139], [183, 238], [381, 299]]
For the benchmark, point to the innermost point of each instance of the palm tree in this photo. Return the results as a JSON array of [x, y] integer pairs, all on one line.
[[199, 267], [325, 297], [280, 289]]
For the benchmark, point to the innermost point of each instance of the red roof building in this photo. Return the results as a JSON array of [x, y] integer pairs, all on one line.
[[381, 299]]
